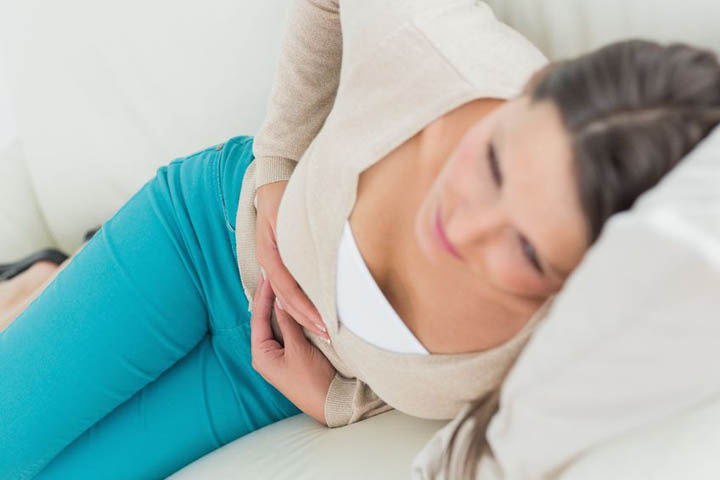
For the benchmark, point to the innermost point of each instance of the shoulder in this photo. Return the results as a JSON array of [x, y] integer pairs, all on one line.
[[488, 54]]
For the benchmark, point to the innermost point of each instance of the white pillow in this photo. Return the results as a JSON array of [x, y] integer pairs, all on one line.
[[682, 447], [631, 342]]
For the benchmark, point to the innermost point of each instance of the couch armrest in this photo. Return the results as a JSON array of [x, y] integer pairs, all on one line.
[[22, 227]]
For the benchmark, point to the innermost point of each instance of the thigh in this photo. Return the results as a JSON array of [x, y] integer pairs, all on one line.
[[199, 404], [136, 299]]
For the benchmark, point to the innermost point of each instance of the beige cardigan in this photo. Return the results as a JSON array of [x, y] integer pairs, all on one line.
[[355, 81]]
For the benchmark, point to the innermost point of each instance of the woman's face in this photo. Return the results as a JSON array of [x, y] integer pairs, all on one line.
[[508, 203]]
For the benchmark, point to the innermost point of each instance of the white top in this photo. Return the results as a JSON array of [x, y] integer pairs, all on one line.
[[362, 306]]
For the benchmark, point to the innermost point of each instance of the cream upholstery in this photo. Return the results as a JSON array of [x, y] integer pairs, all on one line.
[[299, 448], [105, 92]]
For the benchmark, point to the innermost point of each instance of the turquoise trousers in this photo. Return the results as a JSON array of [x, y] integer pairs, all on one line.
[[135, 360]]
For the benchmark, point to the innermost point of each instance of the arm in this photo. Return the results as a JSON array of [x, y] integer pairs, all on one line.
[[302, 95], [293, 365], [304, 88]]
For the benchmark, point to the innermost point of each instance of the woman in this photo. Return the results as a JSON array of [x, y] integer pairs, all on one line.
[[452, 214]]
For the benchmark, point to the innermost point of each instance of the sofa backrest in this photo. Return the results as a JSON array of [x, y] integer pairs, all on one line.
[[566, 28], [105, 92]]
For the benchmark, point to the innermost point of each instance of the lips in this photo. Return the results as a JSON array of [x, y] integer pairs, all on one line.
[[442, 237]]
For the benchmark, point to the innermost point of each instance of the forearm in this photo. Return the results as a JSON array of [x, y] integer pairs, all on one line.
[[312, 400]]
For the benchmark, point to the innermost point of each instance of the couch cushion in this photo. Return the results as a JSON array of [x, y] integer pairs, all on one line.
[[299, 448]]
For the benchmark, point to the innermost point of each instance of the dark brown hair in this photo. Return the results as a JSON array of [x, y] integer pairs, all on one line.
[[633, 110]]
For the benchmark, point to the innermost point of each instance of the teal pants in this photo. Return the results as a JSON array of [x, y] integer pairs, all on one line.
[[135, 360]]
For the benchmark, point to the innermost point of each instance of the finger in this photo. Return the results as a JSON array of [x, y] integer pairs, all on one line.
[[293, 336], [291, 296], [286, 289], [260, 330], [298, 318]]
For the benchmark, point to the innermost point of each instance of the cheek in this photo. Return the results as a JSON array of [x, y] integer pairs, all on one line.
[[506, 270], [470, 179]]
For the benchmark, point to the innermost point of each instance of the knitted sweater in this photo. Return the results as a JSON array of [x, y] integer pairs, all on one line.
[[355, 80]]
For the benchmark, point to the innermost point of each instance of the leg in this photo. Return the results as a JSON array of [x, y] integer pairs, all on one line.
[[207, 399], [137, 298]]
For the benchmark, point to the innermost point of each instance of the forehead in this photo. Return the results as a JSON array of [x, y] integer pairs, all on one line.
[[541, 189]]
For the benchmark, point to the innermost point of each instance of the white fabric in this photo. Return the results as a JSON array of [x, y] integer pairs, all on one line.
[[299, 448], [684, 446], [22, 225], [8, 127], [566, 28], [362, 306], [106, 92]]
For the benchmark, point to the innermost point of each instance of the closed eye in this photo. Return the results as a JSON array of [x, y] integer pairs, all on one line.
[[530, 254], [527, 248], [494, 166]]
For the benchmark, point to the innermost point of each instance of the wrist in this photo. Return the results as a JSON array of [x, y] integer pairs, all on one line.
[[316, 408], [269, 186]]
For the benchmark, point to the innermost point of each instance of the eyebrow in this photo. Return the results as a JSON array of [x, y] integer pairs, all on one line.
[[558, 272]]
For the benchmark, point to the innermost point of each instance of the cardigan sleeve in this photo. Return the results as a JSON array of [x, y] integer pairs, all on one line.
[[350, 400], [304, 88]]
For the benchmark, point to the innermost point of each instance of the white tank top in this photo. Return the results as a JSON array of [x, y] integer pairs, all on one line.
[[362, 306]]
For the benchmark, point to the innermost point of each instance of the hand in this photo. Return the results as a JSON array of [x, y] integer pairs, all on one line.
[[297, 369], [289, 294]]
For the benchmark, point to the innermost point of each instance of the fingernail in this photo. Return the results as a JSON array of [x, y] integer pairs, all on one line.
[[278, 303], [327, 340], [324, 330], [262, 270]]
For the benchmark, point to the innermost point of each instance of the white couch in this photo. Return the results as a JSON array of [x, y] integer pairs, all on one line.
[[105, 92]]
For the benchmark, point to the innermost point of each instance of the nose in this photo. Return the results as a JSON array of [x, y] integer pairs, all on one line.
[[475, 226]]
